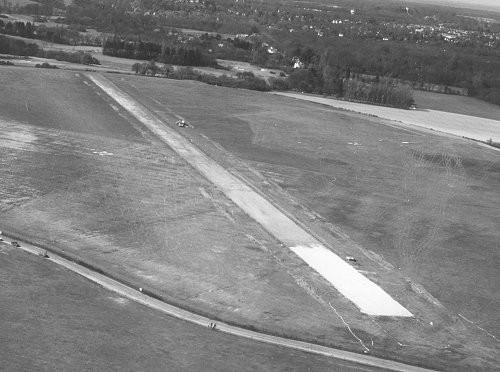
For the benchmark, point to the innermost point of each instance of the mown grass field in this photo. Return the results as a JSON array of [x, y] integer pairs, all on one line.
[[425, 203], [448, 123], [54, 320], [80, 175], [456, 104]]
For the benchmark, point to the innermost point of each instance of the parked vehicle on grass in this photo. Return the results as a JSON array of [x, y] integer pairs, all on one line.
[[182, 123]]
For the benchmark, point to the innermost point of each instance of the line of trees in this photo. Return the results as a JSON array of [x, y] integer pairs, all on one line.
[[352, 87], [171, 54], [247, 81], [59, 34], [40, 7], [386, 92], [21, 48], [17, 47], [17, 28], [327, 65]]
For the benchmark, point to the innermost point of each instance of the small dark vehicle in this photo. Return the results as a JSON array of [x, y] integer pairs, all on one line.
[[15, 244]]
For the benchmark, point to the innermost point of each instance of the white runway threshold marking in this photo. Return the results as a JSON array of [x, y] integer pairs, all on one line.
[[366, 295]]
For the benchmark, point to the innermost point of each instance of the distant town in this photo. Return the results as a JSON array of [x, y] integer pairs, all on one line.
[[319, 47]]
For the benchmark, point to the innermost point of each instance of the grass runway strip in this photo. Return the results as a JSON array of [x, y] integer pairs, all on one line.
[[366, 295]]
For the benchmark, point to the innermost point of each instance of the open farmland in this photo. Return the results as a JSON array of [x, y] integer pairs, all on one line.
[[96, 184], [458, 124], [72, 324], [456, 104]]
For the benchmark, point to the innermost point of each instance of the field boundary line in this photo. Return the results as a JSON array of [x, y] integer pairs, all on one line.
[[139, 296]]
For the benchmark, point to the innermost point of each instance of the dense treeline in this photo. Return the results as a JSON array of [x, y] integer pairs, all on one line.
[[18, 29], [387, 92], [377, 39], [349, 86], [17, 47], [119, 18], [59, 34], [326, 64], [21, 48], [172, 54], [38, 7], [245, 81]]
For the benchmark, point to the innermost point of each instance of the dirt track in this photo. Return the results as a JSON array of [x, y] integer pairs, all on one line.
[[460, 125]]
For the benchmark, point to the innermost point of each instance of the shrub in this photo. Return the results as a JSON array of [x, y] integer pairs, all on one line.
[[278, 84], [45, 65], [493, 144], [384, 92], [245, 75]]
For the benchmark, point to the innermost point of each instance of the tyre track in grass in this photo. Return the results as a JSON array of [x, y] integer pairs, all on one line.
[[140, 296], [370, 298]]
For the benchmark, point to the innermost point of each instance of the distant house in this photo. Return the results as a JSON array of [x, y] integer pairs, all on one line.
[[449, 37], [297, 63]]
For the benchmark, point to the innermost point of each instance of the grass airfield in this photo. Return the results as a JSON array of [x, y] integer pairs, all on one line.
[[96, 184], [72, 324]]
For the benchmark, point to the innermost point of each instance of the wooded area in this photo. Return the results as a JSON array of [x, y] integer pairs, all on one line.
[[319, 46]]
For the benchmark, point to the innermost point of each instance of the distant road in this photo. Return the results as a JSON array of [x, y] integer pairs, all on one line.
[[460, 125]]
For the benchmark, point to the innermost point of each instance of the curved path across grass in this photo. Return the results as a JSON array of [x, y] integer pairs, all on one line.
[[138, 296]]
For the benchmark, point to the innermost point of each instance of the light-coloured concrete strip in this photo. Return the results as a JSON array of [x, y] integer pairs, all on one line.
[[139, 297], [365, 294]]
